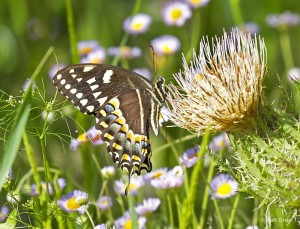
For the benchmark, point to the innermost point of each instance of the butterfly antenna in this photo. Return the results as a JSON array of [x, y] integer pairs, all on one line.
[[153, 60]]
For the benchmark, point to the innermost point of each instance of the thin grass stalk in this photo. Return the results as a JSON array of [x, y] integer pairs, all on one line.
[[132, 212], [205, 199], [286, 48], [33, 165], [233, 211], [72, 34], [188, 204], [170, 210], [194, 43], [236, 12]]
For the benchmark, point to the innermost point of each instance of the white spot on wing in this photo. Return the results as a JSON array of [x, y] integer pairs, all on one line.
[[90, 108], [107, 76], [63, 82], [87, 68], [94, 87], [92, 80], [79, 79], [73, 75], [73, 90], [68, 86], [58, 76], [102, 100], [83, 102], [71, 70], [79, 95], [96, 94]]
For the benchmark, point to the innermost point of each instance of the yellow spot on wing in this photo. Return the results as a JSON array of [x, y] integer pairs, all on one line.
[[103, 113], [125, 157], [103, 124], [115, 102], [117, 112], [108, 136], [117, 146], [136, 158]]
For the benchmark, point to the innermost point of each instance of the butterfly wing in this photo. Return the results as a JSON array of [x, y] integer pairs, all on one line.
[[125, 129], [89, 86], [123, 104]]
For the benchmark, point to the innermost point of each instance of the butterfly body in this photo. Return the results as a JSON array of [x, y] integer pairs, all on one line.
[[125, 105]]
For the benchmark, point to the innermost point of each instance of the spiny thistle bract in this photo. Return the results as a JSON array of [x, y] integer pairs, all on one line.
[[222, 90]]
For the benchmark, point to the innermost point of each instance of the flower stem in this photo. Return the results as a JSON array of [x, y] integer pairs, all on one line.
[[236, 12], [171, 218], [132, 212], [231, 218]]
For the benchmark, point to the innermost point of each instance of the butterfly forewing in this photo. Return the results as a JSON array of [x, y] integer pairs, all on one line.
[[125, 105]]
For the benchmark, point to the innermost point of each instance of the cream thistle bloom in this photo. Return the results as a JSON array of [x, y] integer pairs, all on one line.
[[221, 89]]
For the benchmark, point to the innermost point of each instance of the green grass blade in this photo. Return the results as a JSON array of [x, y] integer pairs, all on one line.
[[19, 124]]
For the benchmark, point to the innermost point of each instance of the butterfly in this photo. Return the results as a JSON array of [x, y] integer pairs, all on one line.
[[125, 104]]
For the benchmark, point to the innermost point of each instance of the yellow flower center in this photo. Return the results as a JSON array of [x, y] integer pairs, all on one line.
[[82, 137], [199, 76], [224, 189], [195, 1], [128, 224], [85, 50], [132, 186], [96, 61], [137, 26], [157, 175], [105, 202], [176, 13], [72, 205], [166, 49]]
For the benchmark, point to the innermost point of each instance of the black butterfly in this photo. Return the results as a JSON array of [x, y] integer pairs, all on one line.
[[125, 105]]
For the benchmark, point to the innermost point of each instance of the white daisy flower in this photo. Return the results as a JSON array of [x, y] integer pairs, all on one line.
[[85, 47], [125, 52], [165, 45], [97, 56], [136, 182], [197, 3], [74, 201], [137, 24], [148, 206], [126, 222], [104, 202], [223, 186], [176, 13], [108, 171]]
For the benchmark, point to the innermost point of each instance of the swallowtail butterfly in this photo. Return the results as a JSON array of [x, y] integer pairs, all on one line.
[[125, 105]]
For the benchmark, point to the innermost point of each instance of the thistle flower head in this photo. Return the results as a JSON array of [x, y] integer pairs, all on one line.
[[221, 89]]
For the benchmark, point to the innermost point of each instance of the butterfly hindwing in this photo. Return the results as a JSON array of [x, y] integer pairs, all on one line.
[[125, 105], [126, 131]]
